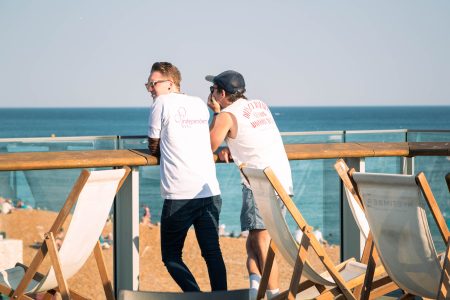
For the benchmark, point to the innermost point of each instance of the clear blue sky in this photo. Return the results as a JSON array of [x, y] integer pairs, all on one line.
[[299, 53]]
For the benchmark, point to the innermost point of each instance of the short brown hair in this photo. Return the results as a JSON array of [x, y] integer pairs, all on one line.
[[232, 97], [168, 70]]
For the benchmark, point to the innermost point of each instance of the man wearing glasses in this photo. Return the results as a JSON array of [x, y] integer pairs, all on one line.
[[178, 134], [252, 138]]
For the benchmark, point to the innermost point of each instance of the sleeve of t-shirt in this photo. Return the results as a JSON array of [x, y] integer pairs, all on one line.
[[155, 120]]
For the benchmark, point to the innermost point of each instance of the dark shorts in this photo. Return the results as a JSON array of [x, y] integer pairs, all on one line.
[[250, 217]]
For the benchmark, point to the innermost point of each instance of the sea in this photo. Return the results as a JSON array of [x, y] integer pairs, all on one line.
[[316, 185]]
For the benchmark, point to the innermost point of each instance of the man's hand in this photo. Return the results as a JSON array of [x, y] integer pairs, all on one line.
[[213, 104], [225, 155]]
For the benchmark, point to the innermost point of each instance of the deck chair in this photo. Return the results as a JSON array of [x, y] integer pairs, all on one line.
[[395, 210], [370, 288], [218, 295], [92, 195], [337, 280]]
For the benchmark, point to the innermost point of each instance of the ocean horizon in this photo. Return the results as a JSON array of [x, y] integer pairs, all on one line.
[[43, 122]]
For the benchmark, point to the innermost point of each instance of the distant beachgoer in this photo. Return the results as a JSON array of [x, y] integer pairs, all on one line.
[[222, 231], [147, 218], [243, 234], [253, 139], [317, 233], [21, 205], [178, 135], [6, 206], [319, 236], [106, 241]]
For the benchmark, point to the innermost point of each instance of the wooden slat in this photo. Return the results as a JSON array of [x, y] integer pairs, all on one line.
[[387, 149], [267, 268], [102, 269], [429, 149], [298, 267], [71, 159], [56, 263], [323, 151], [434, 207]]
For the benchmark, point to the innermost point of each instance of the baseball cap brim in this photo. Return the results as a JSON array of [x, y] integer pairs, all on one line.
[[210, 78]]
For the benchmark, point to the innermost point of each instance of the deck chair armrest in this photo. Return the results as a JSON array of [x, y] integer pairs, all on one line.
[[38, 276]]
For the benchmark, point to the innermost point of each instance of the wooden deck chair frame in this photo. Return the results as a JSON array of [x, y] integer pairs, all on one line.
[[342, 288], [49, 249], [369, 289], [444, 282]]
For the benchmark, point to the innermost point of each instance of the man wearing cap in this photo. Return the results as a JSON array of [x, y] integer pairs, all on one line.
[[252, 138], [178, 134]]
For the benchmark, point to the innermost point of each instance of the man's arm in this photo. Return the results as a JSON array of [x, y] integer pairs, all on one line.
[[154, 128], [219, 129], [153, 147]]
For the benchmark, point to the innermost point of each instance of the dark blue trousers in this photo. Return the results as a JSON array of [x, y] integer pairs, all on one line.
[[176, 218]]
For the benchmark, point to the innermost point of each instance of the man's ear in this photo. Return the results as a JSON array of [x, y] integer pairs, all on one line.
[[223, 94]]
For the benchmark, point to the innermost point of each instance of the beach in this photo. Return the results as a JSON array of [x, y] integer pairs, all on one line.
[[29, 225]]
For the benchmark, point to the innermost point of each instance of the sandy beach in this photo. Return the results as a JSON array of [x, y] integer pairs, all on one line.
[[29, 225]]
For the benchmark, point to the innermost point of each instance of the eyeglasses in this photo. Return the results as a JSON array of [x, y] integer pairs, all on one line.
[[212, 88], [153, 83]]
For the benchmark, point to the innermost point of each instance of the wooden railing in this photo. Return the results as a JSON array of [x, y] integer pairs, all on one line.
[[136, 158], [126, 207]]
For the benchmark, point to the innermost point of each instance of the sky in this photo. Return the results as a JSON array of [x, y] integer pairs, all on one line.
[[291, 53]]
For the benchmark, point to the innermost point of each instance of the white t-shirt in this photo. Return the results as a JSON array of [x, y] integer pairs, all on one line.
[[258, 142], [187, 166]]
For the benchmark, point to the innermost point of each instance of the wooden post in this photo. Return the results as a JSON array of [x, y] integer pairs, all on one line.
[[407, 165], [352, 241]]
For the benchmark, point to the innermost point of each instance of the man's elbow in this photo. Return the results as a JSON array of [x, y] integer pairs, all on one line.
[[214, 145]]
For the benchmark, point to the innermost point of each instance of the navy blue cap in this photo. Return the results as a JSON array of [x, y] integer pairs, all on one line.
[[230, 81]]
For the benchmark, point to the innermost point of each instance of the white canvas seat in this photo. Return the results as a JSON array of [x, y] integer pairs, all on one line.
[[395, 210], [265, 187], [92, 195]]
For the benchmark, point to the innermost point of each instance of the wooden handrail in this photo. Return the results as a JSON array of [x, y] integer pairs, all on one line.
[[113, 158]]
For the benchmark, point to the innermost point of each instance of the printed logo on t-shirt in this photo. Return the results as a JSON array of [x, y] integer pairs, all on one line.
[[258, 113], [182, 117]]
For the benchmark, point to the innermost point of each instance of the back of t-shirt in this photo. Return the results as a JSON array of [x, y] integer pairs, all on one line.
[[187, 167]]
